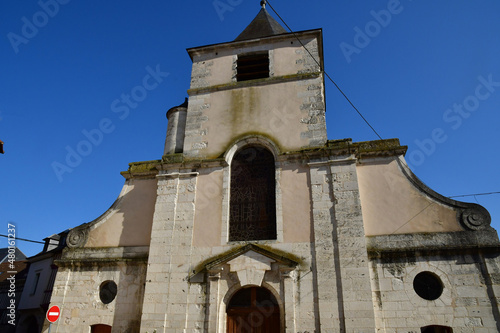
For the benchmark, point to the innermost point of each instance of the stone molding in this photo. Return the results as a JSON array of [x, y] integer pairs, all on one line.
[[214, 265], [254, 83], [251, 140], [78, 236], [250, 267], [98, 256], [432, 243], [313, 33], [143, 170]]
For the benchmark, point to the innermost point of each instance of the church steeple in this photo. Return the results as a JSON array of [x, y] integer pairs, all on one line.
[[263, 25], [262, 85]]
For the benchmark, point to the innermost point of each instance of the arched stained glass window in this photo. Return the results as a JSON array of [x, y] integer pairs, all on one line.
[[252, 214]]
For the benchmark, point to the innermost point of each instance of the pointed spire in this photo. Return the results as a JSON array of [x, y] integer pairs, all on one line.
[[263, 25]]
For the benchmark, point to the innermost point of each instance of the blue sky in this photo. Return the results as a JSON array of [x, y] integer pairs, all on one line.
[[426, 72]]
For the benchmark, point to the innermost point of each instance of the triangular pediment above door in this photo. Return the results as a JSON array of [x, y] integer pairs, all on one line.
[[249, 262]]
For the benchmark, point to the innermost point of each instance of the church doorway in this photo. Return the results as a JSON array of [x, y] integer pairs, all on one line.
[[253, 310]]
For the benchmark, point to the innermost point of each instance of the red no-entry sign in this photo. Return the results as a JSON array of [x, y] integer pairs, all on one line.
[[53, 314]]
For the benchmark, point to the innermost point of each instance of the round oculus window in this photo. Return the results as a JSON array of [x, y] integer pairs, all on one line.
[[428, 286], [107, 291]]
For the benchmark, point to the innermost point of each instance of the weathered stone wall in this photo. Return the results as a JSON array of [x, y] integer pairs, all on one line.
[[467, 266], [76, 289], [469, 302], [215, 67], [170, 302], [341, 261], [292, 114], [188, 200]]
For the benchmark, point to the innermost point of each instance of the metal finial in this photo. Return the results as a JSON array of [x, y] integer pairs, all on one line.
[[263, 4]]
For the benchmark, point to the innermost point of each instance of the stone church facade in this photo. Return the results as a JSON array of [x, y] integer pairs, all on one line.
[[253, 221]]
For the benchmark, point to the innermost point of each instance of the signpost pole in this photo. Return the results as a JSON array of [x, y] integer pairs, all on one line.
[[50, 325]]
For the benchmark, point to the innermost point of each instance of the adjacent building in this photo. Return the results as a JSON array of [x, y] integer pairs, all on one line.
[[39, 281], [13, 271]]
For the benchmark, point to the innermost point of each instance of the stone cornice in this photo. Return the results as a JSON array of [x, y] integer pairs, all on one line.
[[97, 256], [143, 170], [254, 83], [313, 33], [333, 148], [410, 245]]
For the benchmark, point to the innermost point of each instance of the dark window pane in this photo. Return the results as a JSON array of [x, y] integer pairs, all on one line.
[[436, 329], [428, 286], [253, 190], [107, 292]]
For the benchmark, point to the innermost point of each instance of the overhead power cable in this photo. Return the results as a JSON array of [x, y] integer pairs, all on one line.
[[472, 195], [356, 109], [326, 74], [22, 239]]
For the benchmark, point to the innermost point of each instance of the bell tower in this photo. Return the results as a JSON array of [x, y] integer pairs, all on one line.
[[264, 83]]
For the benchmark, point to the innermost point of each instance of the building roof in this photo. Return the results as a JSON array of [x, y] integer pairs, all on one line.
[[263, 25], [4, 253]]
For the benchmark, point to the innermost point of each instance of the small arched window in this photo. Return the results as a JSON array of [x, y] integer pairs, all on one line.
[[252, 214], [436, 329], [100, 328]]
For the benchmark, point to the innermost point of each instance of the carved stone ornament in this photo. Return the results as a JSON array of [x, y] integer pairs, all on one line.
[[476, 218], [77, 237]]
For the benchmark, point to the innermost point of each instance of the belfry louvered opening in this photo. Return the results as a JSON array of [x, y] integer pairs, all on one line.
[[252, 66]]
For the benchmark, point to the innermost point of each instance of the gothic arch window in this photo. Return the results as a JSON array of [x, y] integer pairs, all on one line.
[[252, 213]]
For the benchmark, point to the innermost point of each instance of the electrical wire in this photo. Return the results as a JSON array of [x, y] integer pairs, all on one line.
[[355, 108], [326, 74], [22, 239], [472, 195]]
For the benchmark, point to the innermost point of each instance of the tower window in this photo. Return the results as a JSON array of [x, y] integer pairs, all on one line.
[[252, 214], [252, 66]]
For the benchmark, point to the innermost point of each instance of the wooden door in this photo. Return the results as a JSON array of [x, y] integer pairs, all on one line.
[[100, 328], [253, 310]]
